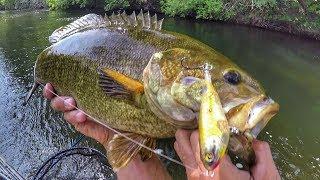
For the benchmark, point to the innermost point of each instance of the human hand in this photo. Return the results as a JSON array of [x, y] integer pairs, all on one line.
[[264, 167], [77, 118], [136, 169], [187, 147]]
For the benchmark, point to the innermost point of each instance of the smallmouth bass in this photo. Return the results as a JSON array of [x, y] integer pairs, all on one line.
[[131, 75]]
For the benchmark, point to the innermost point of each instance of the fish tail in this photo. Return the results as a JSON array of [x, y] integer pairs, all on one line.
[[34, 88]]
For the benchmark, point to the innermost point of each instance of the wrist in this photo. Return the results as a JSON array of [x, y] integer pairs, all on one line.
[[149, 169]]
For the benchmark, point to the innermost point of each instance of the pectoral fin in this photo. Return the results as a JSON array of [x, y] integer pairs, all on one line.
[[119, 85], [120, 150]]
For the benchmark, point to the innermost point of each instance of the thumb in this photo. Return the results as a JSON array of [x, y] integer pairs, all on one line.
[[264, 161], [262, 151]]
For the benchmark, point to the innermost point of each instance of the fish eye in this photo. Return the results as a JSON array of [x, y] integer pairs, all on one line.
[[232, 77]]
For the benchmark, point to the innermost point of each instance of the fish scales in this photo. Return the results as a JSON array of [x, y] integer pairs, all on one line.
[[75, 80]]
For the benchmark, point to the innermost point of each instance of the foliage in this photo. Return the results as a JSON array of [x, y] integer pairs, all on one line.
[[115, 4], [304, 14], [202, 8], [7, 3], [217, 9], [263, 3], [314, 6], [65, 4]]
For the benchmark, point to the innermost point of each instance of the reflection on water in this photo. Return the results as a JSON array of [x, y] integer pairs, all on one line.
[[288, 68]]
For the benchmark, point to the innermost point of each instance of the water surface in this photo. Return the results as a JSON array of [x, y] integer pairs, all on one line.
[[288, 67]]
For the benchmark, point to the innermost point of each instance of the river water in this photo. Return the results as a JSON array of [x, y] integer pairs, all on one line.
[[287, 66]]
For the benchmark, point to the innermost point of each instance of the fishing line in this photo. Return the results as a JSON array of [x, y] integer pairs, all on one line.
[[123, 135], [53, 160]]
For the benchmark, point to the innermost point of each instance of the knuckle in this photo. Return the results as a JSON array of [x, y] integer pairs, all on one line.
[[177, 133], [66, 116], [265, 145], [54, 104], [194, 135]]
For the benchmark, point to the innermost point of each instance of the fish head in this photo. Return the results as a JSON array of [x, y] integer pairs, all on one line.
[[173, 82], [244, 101]]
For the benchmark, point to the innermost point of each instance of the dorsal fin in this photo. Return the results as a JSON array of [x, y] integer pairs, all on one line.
[[147, 20], [108, 21], [140, 18], [133, 19], [89, 21], [159, 25], [94, 21], [113, 19], [154, 21], [125, 18]]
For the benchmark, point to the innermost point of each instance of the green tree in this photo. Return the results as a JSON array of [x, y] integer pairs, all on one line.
[[115, 4]]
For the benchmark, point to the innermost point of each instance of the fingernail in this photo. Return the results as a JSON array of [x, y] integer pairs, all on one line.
[[68, 103], [80, 117]]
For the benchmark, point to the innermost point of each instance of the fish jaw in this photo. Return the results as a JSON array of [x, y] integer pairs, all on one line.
[[249, 119], [261, 114], [253, 115]]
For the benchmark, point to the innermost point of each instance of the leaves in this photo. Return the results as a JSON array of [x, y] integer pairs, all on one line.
[[115, 4]]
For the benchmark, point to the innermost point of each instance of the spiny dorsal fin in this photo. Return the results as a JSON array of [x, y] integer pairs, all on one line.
[[154, 21], [108, 21], [133, 19], [125, 18], [147, 20], [120, 151], [159, 25], [94, 21], [113, 19], [140, 18], [89, 21], [143, 20]]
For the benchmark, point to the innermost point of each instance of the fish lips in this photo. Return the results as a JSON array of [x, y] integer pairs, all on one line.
[[252, 115], [262, 111]]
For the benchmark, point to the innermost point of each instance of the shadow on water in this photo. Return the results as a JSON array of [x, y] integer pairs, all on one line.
[[287, 66]]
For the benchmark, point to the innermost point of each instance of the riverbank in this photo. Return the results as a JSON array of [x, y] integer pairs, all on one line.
[[23, 4], [301, 18]]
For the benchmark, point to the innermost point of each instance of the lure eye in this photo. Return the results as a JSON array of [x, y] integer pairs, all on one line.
[[209, 157], [232, 77]]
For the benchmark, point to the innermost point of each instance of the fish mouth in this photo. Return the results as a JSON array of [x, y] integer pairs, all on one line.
[[253, 115], [261, 112]]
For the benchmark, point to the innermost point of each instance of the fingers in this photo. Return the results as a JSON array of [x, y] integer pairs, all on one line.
[[264, 161], [63, 103], [58, 103], [226, 161], [184, 149], [262, 151], [194, 139], [75, 116], [47, 91], [226, 170]]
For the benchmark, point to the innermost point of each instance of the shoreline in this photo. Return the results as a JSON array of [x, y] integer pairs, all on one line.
[[285, 27]]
